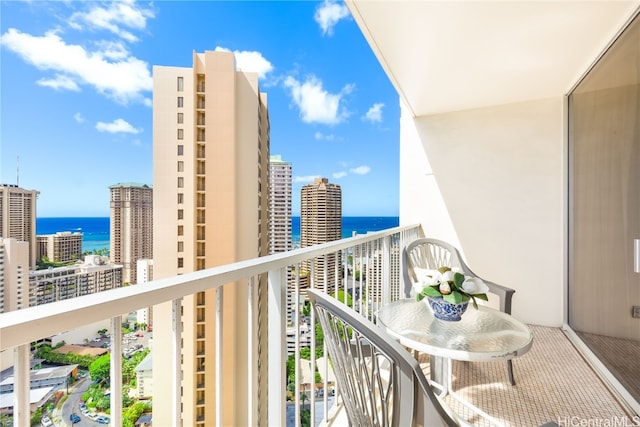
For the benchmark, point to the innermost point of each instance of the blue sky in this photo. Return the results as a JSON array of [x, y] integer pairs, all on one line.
[[76, 90]]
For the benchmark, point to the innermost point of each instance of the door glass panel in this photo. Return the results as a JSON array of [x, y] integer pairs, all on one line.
[[604, 215]]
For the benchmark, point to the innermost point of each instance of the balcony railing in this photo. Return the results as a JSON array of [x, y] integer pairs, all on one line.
[[368, 275]]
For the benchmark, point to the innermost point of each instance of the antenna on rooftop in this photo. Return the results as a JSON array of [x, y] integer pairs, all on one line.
[[18, 171]]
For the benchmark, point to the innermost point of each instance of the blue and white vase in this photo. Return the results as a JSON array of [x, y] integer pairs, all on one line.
[[444, 310]]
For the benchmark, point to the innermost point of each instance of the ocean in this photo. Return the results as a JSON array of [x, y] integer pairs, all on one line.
[[96, 229]]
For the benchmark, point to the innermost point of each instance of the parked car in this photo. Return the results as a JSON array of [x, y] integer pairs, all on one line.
[[103, 420], [74, 418], [46, 421]]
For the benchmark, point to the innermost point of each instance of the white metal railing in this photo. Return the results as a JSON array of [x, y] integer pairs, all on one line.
[[369, 273]]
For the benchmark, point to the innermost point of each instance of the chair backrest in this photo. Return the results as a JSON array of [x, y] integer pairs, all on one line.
[[433, 253], [430, 254], [378, 380]]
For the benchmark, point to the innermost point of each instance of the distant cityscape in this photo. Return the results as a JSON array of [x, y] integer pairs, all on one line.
[[201, 211]]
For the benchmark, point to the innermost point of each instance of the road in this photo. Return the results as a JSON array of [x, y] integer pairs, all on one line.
[[72, 405]]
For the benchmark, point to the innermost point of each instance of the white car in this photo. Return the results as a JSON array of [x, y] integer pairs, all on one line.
[[46, 421]]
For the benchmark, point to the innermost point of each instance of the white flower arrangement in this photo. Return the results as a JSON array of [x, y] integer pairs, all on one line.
[[450, 284]]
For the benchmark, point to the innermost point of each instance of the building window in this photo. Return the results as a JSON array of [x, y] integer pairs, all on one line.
[[180, 182], [180, 230], [180, 133], [180, 262], [180, 102], [180, 198], [180, 150], [180, 246], [180, 118], [180, 213], [180, 166], [180, 84]]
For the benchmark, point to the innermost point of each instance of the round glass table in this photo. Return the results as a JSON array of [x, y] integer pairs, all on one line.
[[484, 334]]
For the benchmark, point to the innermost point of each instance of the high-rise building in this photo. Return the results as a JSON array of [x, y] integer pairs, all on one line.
[[63, 246], [145, 274], [321, 222], [279, 205], [211, 155], [14, 275], [95, 274], [18, 216], [131, 226]]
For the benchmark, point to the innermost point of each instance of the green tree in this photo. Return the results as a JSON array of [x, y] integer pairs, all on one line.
[[99, 368]]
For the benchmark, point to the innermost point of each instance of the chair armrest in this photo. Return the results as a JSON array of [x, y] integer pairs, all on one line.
[[505, 294]]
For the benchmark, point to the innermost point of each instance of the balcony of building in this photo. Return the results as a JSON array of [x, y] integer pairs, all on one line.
[[487, 162], [553, 380]]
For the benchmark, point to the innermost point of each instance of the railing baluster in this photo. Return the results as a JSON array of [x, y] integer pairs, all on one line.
[[21, 386], [176, 326], [116, 371], [252, 361], [277, 311], [219, 343]]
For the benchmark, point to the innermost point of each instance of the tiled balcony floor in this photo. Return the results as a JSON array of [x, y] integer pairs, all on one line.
[[553, 383]]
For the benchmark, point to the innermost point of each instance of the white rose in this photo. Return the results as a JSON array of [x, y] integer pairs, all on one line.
[[447, 276], [474, 286], [444, 288]]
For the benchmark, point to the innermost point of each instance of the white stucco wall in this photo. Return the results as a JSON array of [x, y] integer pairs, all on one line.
[[491, 181]]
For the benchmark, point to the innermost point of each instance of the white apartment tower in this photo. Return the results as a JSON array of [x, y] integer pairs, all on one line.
[[144, 269], [210, 159], [18, 217], [321, 222], [14, 275], [131, 226], [279, 205]]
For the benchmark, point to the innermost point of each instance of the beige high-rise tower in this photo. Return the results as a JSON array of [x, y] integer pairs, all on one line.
[[321, 222], [211, 154], [18, 217], [131, 227], [279, 205]]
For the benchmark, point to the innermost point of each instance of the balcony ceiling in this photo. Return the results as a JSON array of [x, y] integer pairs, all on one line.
[[455, 55]]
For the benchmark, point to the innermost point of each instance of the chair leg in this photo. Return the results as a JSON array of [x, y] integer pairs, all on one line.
[[512, 381]]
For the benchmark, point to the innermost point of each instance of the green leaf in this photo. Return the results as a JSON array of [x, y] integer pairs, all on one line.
[[458, 279], [431, 291], [482, 297], [456, 297]]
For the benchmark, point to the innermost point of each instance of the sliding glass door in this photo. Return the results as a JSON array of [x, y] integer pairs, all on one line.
[[604, 209]]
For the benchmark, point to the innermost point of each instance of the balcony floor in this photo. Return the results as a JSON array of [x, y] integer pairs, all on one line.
[[553, 383]]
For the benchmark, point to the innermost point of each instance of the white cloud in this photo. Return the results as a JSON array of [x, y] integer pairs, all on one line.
[[117, 126], [320, 136], [305, 179], [338, 175], [328, 14], [360, 170], [119, 14], [316, 105], [123, 80], [59, 82], [374, 115], [250, 61], [78, 118]]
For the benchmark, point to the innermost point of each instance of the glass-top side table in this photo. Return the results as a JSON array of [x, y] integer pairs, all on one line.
[[484, 334]]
